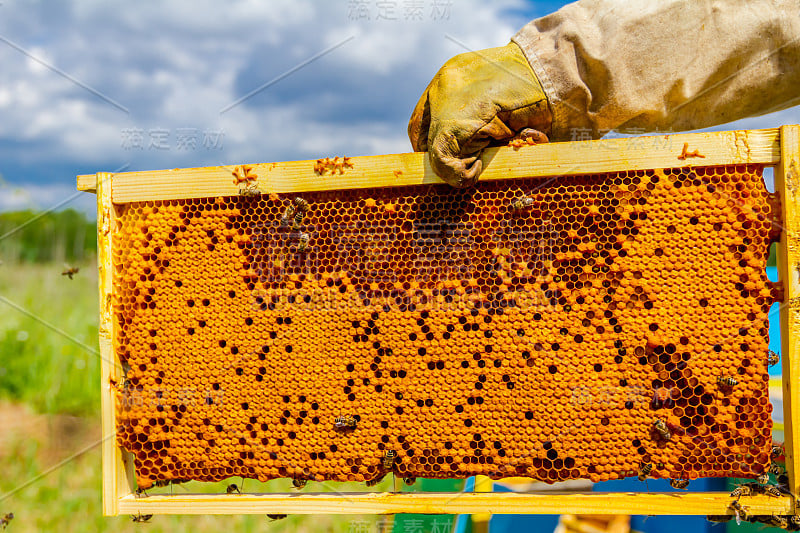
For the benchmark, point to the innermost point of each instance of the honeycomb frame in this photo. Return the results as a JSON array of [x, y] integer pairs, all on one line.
[[760, 147]]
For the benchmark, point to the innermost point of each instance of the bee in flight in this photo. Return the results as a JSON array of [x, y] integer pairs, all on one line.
[[6, 519], [662, 429], [70, 271], [141, 518], [233, 488], [299, 483], [773, 358], [342, 423], [644, 471], [678, 483], [388, 459], [726, 381]]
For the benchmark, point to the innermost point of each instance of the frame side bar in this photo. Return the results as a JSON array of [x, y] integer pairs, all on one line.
[[117, 468], [106, 327], [672, 503], [398, 170], [787, 179]]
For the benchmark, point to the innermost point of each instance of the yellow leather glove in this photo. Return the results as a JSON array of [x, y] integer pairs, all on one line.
[[477, 99]]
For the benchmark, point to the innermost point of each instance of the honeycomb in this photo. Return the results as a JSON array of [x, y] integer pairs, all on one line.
[[594, 327]]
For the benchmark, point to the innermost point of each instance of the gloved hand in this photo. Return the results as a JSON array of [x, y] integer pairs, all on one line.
[[477, 99]]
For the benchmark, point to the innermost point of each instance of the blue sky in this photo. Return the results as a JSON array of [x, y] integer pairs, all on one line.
[[95, 85]]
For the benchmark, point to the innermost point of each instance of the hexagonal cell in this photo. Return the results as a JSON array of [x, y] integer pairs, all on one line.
[[390, 320]]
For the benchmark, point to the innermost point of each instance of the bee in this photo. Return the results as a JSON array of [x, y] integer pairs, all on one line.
[[388, 459], [140, 492], [301, 204], [644, 471], [777, 521], [233, 488], [6, 520], [770, 490], [303, 244], [299, 483], [345, 422], [276, 516], [523, 202], [678, 483], [249, 192], [719, 518], [70, 271], [776, 469], [763, 479], [773, 358], [776, 451], [409, 480], [287, 215], [298, 219], [741, 512], [374, 481], [742, 490], [301, 207], [662, 429], [726, 381], [142, 518]]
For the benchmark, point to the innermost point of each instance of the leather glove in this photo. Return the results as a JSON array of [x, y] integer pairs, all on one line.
[[475, 100]]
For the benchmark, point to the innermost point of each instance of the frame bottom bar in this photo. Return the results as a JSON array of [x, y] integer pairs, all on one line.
[[671, 503]]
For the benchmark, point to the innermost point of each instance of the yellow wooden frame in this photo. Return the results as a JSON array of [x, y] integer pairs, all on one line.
[[779, 148]]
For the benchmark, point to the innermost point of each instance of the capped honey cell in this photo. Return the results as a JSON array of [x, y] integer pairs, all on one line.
[[599, 327]]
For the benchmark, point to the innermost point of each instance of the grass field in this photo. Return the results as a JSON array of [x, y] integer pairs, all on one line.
[[49, 410]]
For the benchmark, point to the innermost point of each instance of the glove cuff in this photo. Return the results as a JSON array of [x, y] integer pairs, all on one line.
[[553, 103]]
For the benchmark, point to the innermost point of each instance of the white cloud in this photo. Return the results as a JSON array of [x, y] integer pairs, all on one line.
[[176, 65]]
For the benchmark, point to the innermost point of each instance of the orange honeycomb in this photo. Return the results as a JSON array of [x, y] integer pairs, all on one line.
[[580, 327]]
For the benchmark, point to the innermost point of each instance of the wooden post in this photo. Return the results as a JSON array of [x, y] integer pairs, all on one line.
[[118, 475], [787, 180]]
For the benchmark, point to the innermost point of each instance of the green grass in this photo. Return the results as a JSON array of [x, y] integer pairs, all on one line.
[[57, 373], [49, 354], [68, 499]]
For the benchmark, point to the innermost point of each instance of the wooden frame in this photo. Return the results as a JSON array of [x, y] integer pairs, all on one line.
[[772, 147]]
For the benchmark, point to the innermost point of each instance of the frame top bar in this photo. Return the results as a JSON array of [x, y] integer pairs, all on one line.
[[545, 160]]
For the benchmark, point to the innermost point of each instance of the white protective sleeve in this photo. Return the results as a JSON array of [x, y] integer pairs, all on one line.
[[664, 65]]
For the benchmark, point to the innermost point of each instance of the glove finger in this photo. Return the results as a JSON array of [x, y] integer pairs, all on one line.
[[534, 116], [532, 136], [420, 122], [495, 129], [455, 171]]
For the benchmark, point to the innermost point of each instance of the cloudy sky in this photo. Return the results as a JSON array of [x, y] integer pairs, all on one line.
[[96, 85]]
